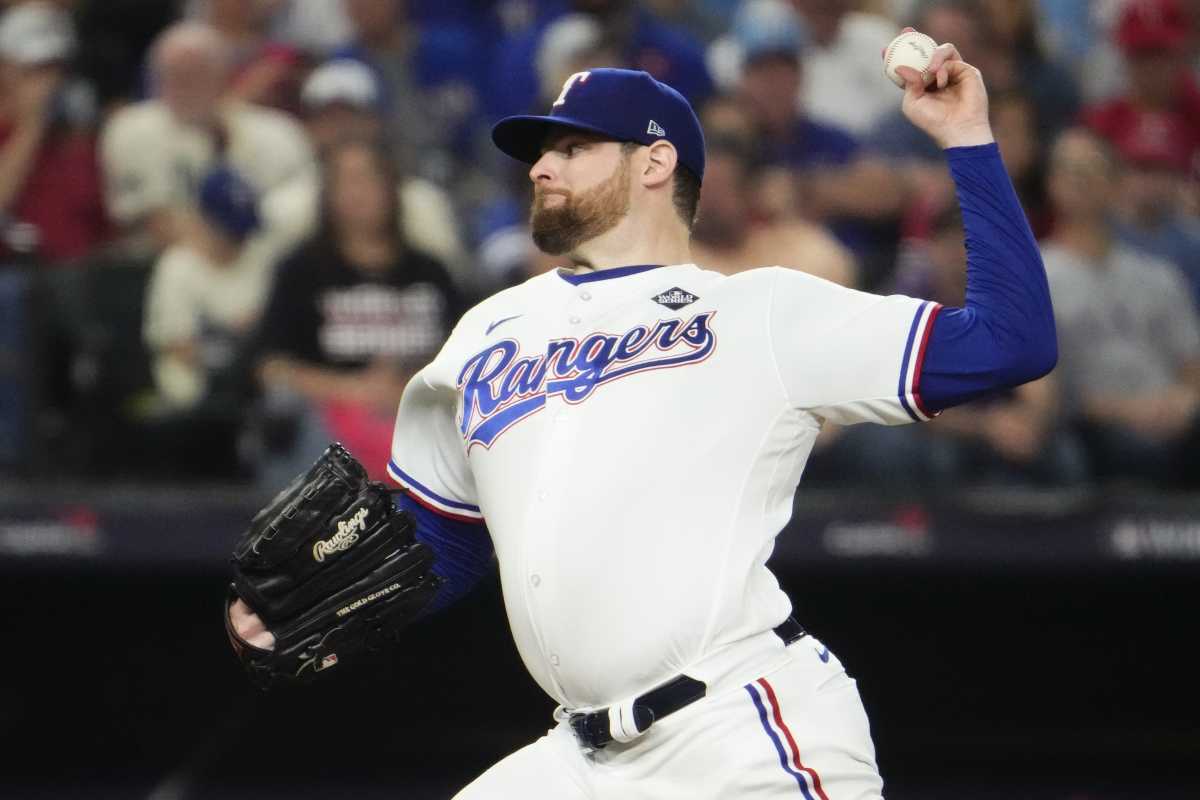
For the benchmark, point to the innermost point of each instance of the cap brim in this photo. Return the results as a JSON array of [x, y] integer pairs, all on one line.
[[522, 136]]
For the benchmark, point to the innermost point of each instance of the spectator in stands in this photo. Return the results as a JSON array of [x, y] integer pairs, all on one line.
[[1129, 335], [1163, 93], [263, 70], [51, 203], [673, 55], [698, 18], [155, 152], [572, 43], [352, 315], [431, 78], [1014, 59], [342, 100], [733, 232], [1150, 205], [206, 295], [314, 27], [835, 67], [841, 185]]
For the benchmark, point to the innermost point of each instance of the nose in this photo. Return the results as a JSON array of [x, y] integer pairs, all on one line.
[[542, 170]]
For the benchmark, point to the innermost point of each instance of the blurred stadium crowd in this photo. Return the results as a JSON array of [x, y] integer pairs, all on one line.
[[231, 230]]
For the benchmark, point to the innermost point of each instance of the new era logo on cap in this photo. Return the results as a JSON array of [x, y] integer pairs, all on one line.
[[675, 298], [654, 129]]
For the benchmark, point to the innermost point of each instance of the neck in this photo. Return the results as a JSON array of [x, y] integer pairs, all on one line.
[[1089, 238], [634, 241]]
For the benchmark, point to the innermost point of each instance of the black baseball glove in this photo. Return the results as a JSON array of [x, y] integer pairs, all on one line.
[[331, 568]]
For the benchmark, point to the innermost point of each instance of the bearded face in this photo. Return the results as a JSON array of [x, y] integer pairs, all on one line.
[[565, 224]]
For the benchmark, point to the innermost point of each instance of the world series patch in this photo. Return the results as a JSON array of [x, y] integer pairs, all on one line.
[[675, 298]]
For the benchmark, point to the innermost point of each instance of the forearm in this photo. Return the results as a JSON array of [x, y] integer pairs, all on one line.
[[1004, 335], [462, 551], [16, 160]]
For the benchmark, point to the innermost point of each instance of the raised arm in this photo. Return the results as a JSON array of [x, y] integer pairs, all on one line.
[[1004, 335]]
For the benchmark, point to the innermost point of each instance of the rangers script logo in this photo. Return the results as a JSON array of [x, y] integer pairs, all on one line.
[[501, 387]]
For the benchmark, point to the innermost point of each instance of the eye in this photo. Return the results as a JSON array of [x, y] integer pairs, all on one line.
[[575, 148]]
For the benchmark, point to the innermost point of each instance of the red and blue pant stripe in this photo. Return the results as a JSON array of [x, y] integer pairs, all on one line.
[[771, 717]]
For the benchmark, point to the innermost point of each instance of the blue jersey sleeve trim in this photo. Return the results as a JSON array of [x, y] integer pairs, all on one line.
[[432, 499]]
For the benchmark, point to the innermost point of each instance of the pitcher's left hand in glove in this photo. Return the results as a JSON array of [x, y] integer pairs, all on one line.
[[332, 570]]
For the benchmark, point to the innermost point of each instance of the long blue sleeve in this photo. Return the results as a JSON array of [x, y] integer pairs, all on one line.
[[1004, 336], [462, 551]]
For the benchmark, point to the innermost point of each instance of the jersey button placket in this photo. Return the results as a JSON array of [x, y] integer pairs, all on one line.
[[545, 511]]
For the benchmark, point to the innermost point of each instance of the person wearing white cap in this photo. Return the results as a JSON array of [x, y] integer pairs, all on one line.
[[156, 151], [342, 100], [51, 208]]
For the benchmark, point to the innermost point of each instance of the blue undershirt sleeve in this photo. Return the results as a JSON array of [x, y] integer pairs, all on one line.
[[462, 551], [1004, 336]]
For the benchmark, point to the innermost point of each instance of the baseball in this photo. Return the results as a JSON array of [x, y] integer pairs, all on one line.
[[909, 49]]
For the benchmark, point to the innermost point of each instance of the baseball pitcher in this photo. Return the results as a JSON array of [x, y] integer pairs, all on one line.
[[626, 434]]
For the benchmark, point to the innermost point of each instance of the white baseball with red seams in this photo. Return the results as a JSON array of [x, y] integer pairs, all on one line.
[[633, 438], [909, 49]]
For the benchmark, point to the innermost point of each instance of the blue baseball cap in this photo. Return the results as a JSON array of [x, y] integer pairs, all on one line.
[[227, 201], [622, 104]]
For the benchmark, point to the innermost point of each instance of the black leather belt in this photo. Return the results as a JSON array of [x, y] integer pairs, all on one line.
[[594, 729]]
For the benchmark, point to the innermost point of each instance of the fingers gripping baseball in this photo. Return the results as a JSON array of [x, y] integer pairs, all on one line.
[[952, 108]]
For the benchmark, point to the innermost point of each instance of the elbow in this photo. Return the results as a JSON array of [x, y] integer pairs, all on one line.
[[1035, 358]]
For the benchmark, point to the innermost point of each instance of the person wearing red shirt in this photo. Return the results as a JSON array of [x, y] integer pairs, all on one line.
[[51, 202], [1163, 99]]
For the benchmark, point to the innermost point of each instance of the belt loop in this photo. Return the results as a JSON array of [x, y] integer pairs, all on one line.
[[790, 631], [623, 723]]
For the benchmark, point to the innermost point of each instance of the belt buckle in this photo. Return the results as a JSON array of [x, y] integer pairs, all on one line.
[[585, 728]]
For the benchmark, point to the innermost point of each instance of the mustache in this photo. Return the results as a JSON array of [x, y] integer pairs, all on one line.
[[539, 195]]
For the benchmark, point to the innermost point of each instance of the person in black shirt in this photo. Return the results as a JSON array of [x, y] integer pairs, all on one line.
[[353, 314]]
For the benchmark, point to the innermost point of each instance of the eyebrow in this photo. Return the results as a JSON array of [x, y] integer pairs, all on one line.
[[557, 138]]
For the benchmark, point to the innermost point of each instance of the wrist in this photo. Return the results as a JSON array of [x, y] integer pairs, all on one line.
[[970, 136]]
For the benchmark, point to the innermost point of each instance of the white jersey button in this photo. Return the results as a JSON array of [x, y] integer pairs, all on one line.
[[535, 579], [585, 295], [554, 659], [542, 496], [574, 320]]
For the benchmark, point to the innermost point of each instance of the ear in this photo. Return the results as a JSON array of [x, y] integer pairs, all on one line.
[[661, 159]]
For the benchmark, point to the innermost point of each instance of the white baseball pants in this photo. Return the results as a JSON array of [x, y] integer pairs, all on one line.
[[799, 732]]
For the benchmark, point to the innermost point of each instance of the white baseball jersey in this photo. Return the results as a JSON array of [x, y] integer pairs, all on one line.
[[633, 438]]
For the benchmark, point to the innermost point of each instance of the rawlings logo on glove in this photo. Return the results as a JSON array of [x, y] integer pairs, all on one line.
[[345, 537]]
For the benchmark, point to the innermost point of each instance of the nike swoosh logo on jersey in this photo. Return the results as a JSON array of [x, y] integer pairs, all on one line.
[[824, 654], [500, 322]]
